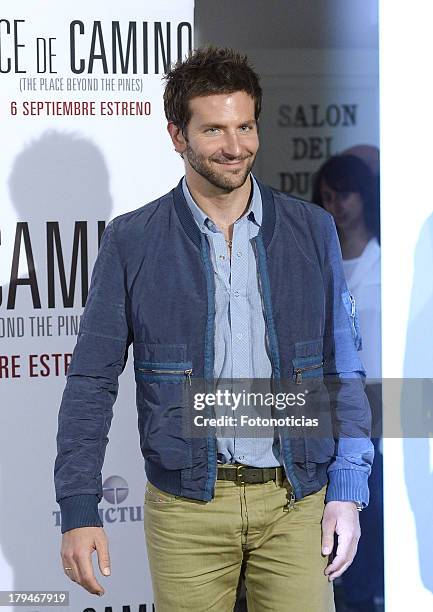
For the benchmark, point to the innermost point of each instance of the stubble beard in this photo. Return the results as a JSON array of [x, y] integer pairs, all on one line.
[[228, 182]]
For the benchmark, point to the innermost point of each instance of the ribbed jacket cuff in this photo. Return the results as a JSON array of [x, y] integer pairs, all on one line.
[[79, 511], [348, 485]]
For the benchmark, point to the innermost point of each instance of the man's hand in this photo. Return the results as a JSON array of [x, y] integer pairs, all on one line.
[[76, 552], [343, 519]]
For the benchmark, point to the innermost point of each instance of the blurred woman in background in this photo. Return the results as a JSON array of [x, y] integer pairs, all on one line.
[[347, 188]]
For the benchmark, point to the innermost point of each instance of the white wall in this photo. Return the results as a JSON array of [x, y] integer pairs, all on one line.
[[407, 290]]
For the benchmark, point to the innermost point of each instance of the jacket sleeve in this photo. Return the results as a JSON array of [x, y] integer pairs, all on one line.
[[86, 409], [345, 379]]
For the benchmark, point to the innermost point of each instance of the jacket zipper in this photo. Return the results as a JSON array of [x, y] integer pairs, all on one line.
[[291, 501], [298, 379], [187, 373], [298, 371]]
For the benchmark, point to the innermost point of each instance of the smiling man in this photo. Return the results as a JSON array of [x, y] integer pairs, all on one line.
[[222, 278]]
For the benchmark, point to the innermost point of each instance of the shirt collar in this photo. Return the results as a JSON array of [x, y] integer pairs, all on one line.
[[254, 212]]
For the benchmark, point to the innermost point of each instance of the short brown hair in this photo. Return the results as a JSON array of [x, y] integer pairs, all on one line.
[[208, 71]]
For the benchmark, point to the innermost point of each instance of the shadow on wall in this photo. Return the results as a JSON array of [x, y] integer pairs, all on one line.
[[58, 177], [416, 402]]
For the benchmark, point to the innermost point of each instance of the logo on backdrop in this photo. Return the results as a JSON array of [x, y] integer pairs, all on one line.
[[115, 491]]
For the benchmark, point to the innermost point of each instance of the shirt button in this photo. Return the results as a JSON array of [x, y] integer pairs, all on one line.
[[222, 257], [236, 293], [239, 253]]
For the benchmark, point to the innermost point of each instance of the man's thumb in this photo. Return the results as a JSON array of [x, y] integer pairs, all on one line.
[[327, 537], [103, 559]]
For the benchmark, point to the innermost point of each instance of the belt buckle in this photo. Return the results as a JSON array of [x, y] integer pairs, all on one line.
[[239, 474]]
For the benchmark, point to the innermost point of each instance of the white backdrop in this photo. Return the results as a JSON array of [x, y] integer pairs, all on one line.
[[406, 49], [69, 169]]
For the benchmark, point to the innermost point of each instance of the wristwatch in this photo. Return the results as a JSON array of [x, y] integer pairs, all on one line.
[[359, 506]]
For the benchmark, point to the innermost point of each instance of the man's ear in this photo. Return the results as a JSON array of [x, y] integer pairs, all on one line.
[[177, 137]]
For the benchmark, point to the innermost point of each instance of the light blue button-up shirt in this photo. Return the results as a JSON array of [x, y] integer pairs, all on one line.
[[240, 334]]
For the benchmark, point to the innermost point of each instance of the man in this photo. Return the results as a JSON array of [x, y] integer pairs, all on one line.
[[222, 277]]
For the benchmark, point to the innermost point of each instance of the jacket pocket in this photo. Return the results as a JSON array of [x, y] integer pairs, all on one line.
[[168, 372], [308, 361], [307, 367], [307, 372], [163, 378], [316, 444], [161, 363]]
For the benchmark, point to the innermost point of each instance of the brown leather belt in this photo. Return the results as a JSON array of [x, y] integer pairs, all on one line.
[[245, 474]]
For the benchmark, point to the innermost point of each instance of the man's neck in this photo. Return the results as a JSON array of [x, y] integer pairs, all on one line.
[[223, 207]]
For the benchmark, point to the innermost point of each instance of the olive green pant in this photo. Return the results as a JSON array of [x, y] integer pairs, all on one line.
[[196, 550]]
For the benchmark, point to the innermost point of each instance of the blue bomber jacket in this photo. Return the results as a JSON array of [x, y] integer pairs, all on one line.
[[152, 285]]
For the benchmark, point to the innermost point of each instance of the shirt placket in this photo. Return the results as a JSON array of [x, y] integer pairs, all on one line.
[[239, 308]]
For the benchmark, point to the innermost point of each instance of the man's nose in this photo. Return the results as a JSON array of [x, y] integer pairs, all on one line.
[[231, 145]]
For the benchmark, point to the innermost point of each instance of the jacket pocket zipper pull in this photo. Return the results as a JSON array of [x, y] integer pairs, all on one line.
[[189, 374], [298, 371], [298, 376]]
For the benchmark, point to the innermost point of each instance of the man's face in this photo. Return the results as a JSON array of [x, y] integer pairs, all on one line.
[[220, 141]]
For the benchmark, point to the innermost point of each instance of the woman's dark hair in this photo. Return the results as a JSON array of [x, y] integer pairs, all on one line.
[[208, 71], [351, 174]]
